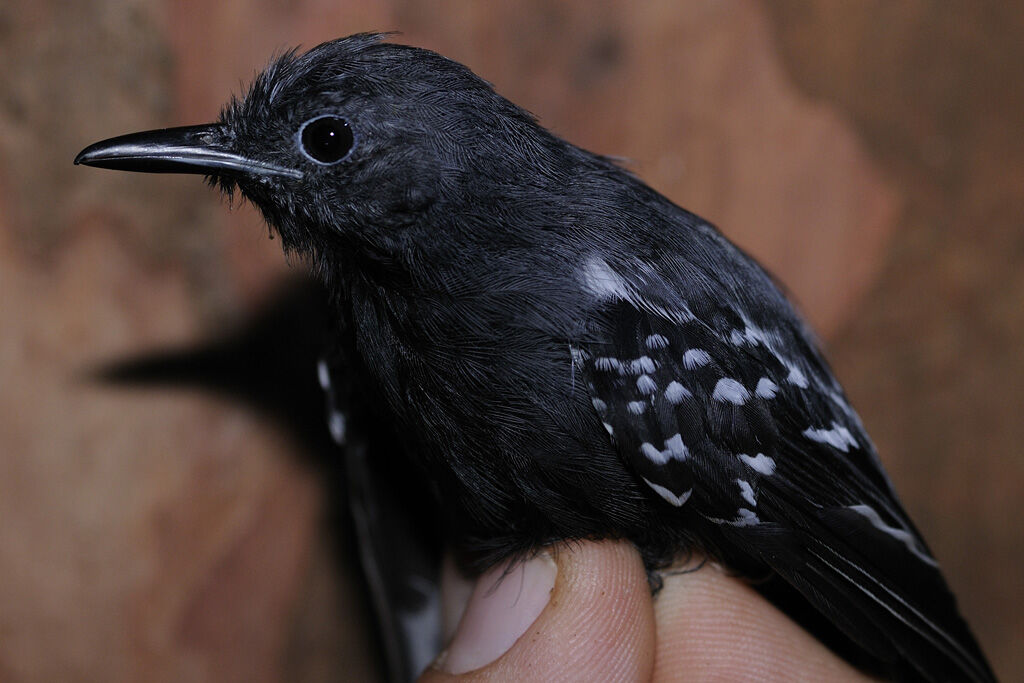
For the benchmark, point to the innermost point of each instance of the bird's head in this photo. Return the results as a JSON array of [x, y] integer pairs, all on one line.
[[354, 141]]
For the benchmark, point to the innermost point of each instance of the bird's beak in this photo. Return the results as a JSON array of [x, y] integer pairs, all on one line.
[[189, 149]]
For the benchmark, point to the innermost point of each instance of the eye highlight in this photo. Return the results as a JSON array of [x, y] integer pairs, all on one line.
[[326, 139]]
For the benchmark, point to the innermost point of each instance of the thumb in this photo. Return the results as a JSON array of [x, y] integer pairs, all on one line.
[[582, 613]]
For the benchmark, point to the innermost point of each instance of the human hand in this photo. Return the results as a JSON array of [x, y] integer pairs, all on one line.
[[585, 612]]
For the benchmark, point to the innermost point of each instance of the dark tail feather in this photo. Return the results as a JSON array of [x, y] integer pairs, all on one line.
[[946, 652], [913, 639]]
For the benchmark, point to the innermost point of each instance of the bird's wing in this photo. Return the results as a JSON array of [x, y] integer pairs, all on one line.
[[746, 427]]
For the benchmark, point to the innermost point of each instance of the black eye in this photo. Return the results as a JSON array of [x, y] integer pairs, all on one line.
[[326, 139]]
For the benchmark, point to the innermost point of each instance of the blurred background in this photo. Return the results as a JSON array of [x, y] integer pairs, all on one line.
[[870, 153]]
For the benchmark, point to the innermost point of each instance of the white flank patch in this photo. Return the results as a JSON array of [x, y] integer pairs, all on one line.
[[643, 364], [646, 385], [838, 437], [636, 407], [766, 388], [730, 391], [901, 535], [656, 341], [668, 495], [336, 424], [747, 491], [676, 392], [759, 463], [695, 358], [323, 374]]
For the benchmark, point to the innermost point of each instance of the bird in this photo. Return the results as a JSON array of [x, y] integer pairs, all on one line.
[[561, 352]]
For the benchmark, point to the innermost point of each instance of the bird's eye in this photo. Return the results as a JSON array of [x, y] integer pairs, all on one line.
[[327, 139]]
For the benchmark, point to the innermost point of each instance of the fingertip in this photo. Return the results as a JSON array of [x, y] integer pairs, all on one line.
[[598, 623], [716, 627], [505, 601]]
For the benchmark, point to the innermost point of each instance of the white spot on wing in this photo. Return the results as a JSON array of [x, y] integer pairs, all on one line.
[[797, 377], [759, 463], [695, 358], [766, 388], [901, 535], [643, 364], [730, 391], [656, 341], [668, 495], [675, 449], [676, 392], [609, 428], [838, 437], [599, 405], [747, 492], [753, 335], [680, 315], [607, 364], [636, 407], [653, 454], [744, 517], [646, 385]]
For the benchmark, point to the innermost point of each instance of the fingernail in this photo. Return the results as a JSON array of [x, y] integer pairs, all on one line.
[[500, 610]]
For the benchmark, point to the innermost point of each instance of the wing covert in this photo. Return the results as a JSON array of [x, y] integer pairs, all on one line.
[[746, 426]]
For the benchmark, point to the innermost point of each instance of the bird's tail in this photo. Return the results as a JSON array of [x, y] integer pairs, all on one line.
[[876, 606]]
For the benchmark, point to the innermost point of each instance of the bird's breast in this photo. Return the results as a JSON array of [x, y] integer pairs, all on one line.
[[489, 401]]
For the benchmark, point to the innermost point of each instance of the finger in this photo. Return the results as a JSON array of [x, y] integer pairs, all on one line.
[[597, 622], [712, 626]]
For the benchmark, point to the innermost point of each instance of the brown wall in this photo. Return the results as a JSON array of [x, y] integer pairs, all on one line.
[[870, 153]]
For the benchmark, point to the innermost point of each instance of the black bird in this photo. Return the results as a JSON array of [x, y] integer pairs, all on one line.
[[565, 352]]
